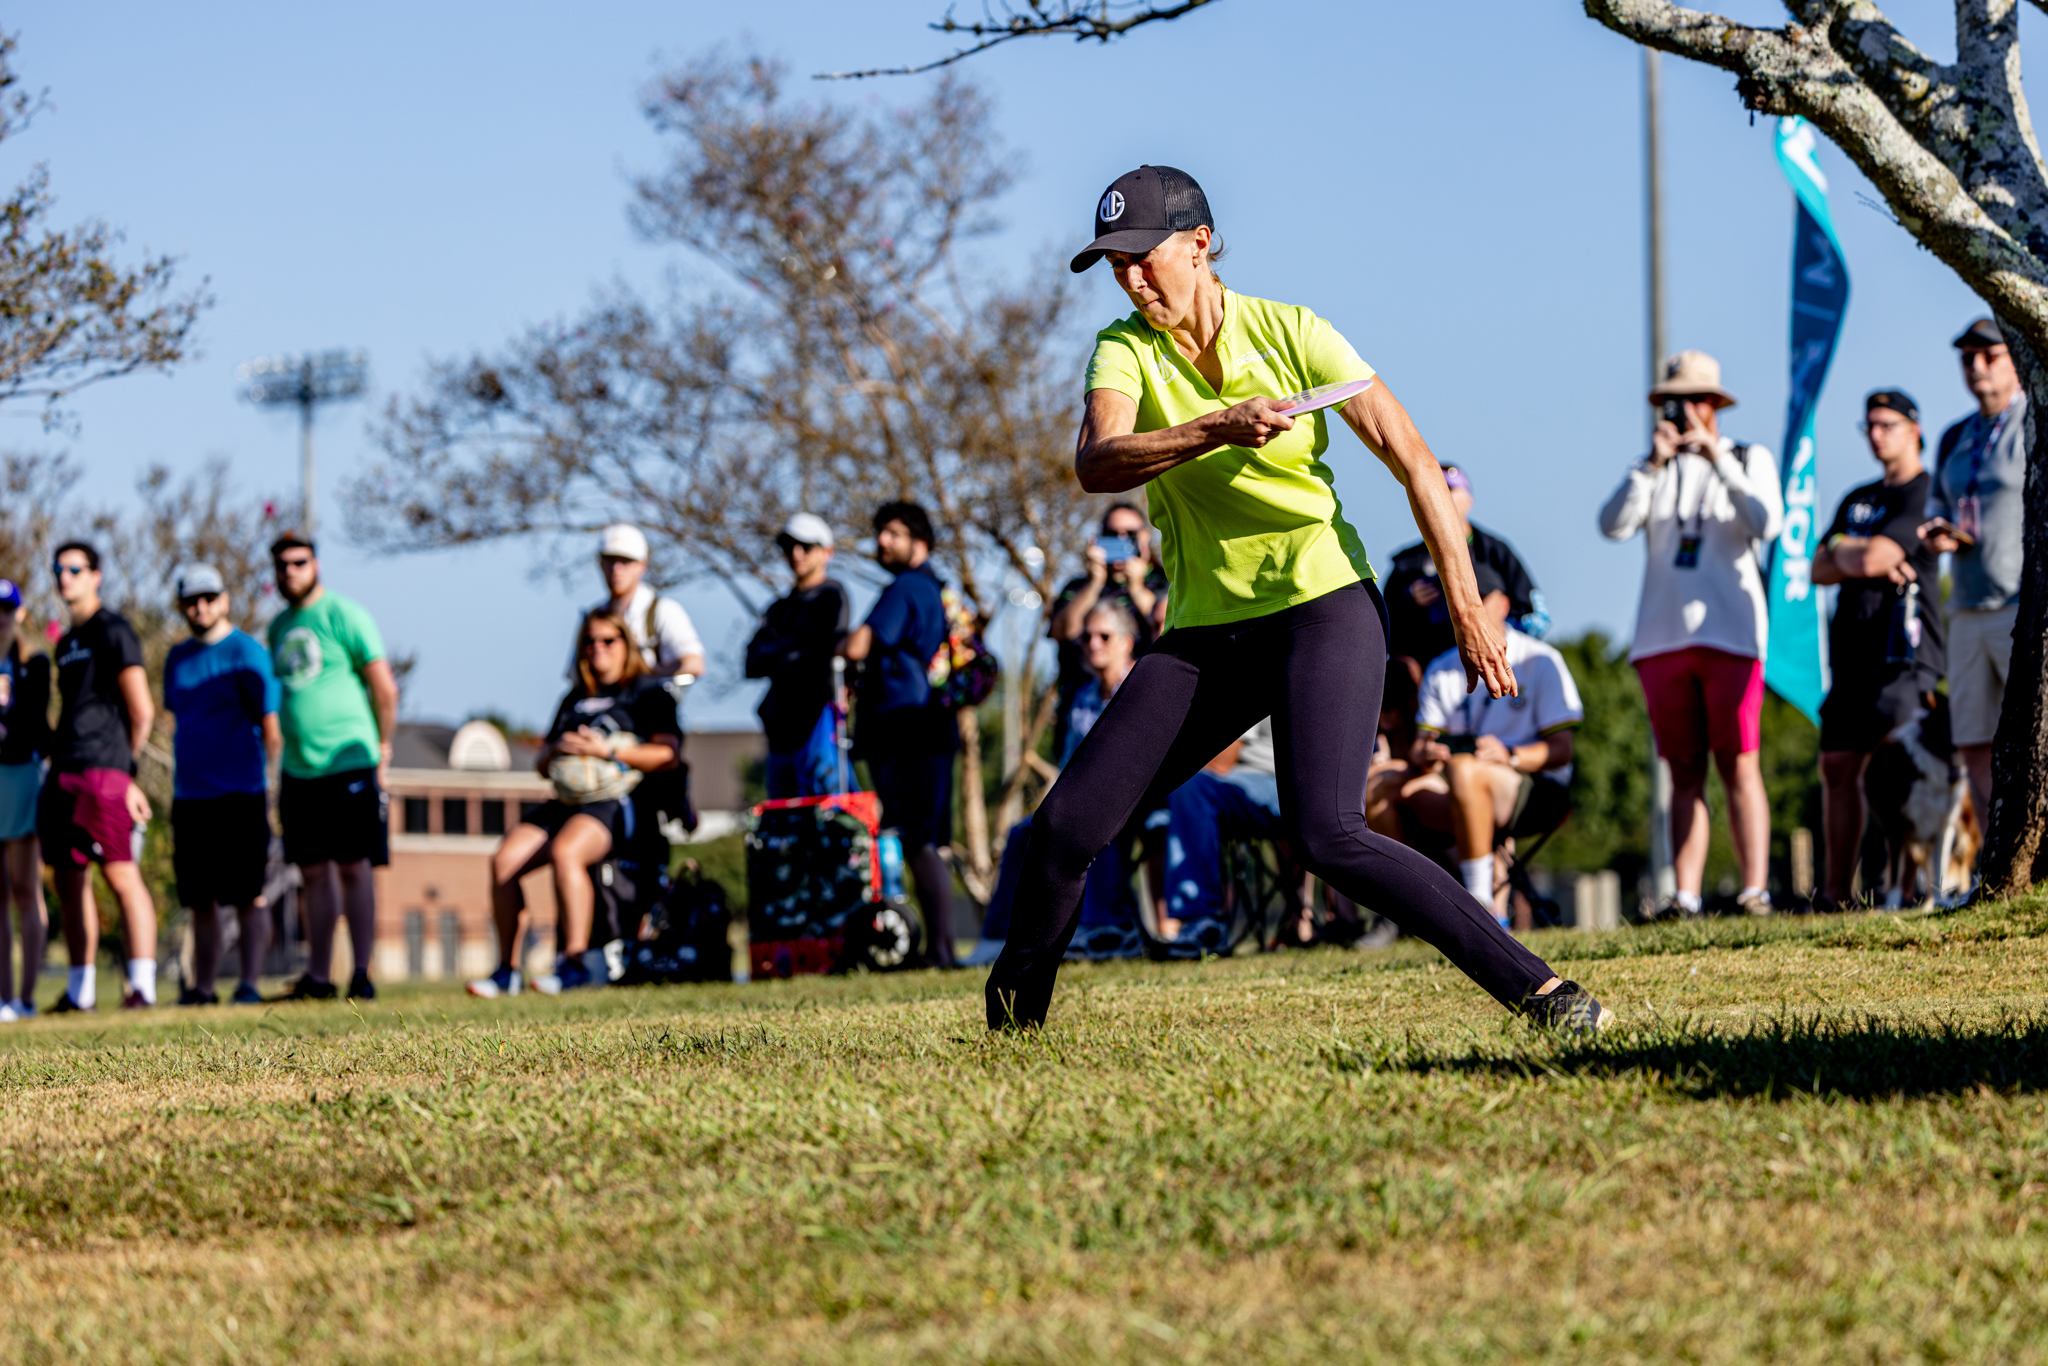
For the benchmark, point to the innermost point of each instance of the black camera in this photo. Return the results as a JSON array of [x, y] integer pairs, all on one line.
[[1674, 413]]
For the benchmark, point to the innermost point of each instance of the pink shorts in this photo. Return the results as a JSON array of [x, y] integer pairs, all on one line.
[[83, 819], [1702, 700]]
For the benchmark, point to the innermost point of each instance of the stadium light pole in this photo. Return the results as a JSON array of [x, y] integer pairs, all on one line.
[[305, 382]]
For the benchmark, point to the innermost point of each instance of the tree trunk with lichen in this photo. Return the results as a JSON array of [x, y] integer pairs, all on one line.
[[1952, 149]]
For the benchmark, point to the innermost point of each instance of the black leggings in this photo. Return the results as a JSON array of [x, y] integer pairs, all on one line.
[[1317, 669]]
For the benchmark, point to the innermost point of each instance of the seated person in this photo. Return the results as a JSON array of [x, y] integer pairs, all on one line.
[[1108, 927], [1489, 769], [617, 710], [1236, 796]]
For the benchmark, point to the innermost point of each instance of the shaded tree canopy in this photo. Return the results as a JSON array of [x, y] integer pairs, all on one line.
[[70, 315]]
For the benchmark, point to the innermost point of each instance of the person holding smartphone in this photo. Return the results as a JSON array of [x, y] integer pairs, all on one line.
[[1975, 514], [1707, 506], [1118, 570]]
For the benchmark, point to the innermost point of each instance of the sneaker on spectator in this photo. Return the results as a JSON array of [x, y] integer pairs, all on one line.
[[360, 987], [246, 995], [1100, 943], [66, 1006], [193, 996], [503, 982], [569, 975], [1671, 908], [132, 999], [1756, 903], [306, 989], [8, 1014], [1569, 1007], [24, 1008]]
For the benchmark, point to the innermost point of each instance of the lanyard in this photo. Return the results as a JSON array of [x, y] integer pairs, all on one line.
[[1699, 512], [1984, 448]]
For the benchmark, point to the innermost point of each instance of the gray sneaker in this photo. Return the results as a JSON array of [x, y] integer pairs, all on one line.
[[1756, 903], [1569, 1007]]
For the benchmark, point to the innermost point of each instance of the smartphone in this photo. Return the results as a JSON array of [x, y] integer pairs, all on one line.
[[1943, 524], [1117, 549], [1462, 744]]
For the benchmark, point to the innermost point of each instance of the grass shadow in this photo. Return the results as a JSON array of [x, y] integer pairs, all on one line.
[[1863, 1057]]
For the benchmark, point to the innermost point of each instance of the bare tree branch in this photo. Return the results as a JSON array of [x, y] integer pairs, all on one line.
[[1003, 22]]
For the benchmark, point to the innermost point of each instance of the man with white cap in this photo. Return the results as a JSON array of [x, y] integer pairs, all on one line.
[[1706, 506], [660, 626], [793, 650], [220, 687]]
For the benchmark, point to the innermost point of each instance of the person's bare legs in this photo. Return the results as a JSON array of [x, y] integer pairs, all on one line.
[[81, 915], [1749, 815], [1482, 801], [359, 905], [205, 946], [23, 887], [255, 924], [1841, 776], [583, 840], [522, 850], [1689, 832], [320, 905]]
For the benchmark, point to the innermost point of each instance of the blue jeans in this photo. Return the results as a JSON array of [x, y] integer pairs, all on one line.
[[1204, 811], [812, 771], [1106, 897]]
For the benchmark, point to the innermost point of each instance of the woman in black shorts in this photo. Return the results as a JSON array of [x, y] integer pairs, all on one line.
[[621, 715]]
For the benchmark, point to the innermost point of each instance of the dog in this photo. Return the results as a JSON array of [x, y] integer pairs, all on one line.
[[1920, 798]]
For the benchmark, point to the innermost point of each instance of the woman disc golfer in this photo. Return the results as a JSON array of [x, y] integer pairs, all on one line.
[[1272, 612]]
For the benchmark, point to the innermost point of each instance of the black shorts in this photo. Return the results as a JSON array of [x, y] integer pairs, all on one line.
[[1857, 715], [617, 815], [1540, 806], [335, 818], [219, 847], [917, 798]]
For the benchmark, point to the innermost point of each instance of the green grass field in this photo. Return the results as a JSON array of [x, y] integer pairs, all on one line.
[[1808, 1140]]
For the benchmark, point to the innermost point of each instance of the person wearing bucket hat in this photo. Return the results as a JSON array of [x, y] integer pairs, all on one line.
[[1975, 514], [24, 740], [1707, 506], [793, 650], [1272, 610]]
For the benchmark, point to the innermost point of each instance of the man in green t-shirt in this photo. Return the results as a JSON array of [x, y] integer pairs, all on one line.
[[340, 706]]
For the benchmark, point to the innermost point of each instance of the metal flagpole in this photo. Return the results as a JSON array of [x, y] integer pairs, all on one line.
[[1664, 880]]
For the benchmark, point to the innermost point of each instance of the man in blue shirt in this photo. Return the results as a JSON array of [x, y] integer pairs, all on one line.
[[220, 687], [908, 743]]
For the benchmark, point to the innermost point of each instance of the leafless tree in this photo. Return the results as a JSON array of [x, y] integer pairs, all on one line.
[[1003, 22], [845, 353], [70, 315]]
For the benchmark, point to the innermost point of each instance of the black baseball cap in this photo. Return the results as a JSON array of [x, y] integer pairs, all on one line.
[[1980, 335], [1897, 400], [1143, 208]]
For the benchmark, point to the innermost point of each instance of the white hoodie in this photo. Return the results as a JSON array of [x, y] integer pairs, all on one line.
[[1735, 507]]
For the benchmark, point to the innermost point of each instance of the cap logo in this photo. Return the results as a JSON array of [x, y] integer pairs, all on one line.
[[1112, 207]]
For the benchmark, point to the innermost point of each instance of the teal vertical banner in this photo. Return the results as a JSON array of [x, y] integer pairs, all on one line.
[[1797, 666]]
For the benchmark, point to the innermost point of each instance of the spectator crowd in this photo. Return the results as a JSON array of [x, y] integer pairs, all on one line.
[[1461, 776]]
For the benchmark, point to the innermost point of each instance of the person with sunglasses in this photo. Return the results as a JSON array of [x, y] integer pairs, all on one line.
[[220, 688], [340, 706], [24, 740], [620, 714], [793, 650], [92, 810]]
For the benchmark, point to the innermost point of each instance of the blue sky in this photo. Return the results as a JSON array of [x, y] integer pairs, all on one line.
[[1458, 187]]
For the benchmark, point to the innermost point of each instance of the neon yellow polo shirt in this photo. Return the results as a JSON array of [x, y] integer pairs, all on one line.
[[1247, 532]]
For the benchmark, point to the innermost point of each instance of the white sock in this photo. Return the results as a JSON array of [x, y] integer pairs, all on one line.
[[142, 976], [1763, 892], [1478, 875], [1689, 900], [83, 988]]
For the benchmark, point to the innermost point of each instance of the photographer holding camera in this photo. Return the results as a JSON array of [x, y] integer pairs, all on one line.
[[1706, 506], [1120, 571]]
